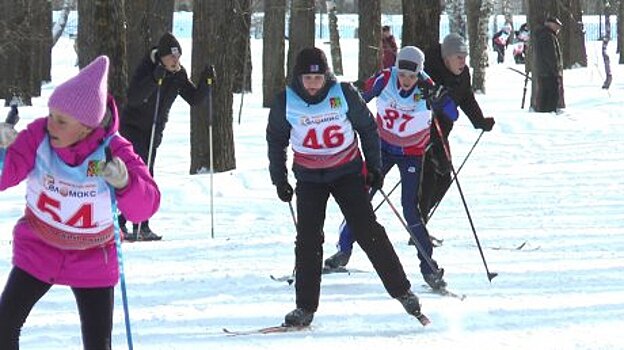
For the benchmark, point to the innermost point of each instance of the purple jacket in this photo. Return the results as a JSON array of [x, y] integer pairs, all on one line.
[[90, 268]]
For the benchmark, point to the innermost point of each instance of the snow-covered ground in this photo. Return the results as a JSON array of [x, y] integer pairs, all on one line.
[[551, 181]]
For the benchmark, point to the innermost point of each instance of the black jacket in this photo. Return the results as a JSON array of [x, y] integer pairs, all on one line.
[[458, 85], [139, 110], [278, 135], [546, 53]]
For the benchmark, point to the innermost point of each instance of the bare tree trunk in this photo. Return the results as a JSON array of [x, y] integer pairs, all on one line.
[[242, 57], [102, 32], [150, 20], [212, 36], [334, 38], [479, 12], [620, 31], [421, 23], [273, 80], [572, 37], [605, 43], [456, 13], [369, 34], [300, 29], [46, 43], [15, 51]]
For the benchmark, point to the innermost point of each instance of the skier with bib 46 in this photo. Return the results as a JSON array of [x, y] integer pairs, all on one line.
[[321, 119]]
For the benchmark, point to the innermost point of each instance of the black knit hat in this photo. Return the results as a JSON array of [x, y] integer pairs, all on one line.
[[310, 61], [168, 45]]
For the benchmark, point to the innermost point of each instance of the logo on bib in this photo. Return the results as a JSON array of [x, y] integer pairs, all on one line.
[[335, 102]]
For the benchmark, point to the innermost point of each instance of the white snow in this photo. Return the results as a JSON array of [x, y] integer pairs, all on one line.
[[552, 181]]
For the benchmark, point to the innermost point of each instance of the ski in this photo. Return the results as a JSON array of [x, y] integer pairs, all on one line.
[[444, 292], [525, 246], [326, 271], [286, 278], [267, 330]]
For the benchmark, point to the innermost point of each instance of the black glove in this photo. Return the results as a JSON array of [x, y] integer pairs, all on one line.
[[284, 192], [438, 96], [159, 72], [374, 178], [208, 73], [13, 116], [180, 77], [487, 124]]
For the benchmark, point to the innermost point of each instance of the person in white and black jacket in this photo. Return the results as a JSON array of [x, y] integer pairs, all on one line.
[[321, 119]]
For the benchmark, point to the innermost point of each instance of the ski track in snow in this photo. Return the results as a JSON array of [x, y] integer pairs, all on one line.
[[553, 181]]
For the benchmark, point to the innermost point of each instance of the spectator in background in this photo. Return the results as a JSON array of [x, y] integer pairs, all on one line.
[[388, 47], [159, 76], [548, 66], [500, 41]]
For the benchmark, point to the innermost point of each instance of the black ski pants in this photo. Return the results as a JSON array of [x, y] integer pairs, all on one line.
[[21, 293], [140, 140], [350, 194]]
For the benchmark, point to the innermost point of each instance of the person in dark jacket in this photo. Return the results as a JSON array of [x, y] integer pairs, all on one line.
[[321, 119], [548, 67], [159, 75], [389, 47], [446, 65]]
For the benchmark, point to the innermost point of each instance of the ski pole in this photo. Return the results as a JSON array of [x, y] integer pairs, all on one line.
[[526, 81], [389, 193], [490, 275], [120, 260], [292, 214], [419, 247], [455, 175], [294, 219], [151, 144], [209, 87]]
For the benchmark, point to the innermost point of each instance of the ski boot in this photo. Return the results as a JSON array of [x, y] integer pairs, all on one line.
[[147, 234], [298, 318], [435, 280], [340, 259], [410, 303]]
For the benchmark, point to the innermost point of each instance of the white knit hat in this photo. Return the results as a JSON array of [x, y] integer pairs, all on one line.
[[410, 59]]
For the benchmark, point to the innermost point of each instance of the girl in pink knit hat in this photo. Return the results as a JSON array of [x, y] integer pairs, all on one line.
[[66, 235]]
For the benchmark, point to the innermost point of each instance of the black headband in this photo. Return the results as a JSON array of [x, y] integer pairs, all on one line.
[[408, 65]]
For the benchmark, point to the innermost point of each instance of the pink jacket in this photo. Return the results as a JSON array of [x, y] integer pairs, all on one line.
[[96, 267]]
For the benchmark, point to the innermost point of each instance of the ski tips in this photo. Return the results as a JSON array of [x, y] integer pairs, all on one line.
[[491, 275], [424, 320]]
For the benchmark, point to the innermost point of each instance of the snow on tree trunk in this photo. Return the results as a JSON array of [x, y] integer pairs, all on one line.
[[456, 13], [59, 26], [479, 12]]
